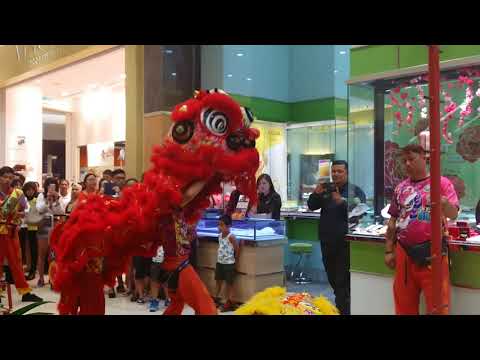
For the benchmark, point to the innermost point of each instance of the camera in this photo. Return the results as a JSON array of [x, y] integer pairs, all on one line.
[[330, 187], [108, 189]]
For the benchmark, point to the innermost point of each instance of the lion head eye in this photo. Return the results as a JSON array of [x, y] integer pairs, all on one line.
[[182, 131], [215, 121]]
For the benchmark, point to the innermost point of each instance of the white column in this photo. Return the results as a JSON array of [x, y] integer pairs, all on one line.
[[23, 129]]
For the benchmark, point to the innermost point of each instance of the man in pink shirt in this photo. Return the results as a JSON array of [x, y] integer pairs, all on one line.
[[410, 227]]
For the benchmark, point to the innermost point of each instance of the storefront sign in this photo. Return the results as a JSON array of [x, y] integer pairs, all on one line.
[[18, 60], [38, 54]]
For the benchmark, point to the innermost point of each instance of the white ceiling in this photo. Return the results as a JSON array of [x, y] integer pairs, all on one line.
[[56, 119], [104, 70]]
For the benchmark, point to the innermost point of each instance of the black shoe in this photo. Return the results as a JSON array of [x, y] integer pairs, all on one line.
[[8, 275], [112, 294], [121, 289], [29, 297], [30, 276], [217, 301]]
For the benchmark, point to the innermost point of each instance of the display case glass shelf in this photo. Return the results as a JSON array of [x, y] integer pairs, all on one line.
[[257, 230]]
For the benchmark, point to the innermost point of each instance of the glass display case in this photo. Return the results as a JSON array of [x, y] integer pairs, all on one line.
[[251, 230], [311, 149], [388, 114]]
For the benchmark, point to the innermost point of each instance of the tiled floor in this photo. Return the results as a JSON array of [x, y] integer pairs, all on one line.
[[121, 305]]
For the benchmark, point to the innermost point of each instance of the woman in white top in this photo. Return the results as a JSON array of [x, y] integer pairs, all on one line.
[[48, 205]]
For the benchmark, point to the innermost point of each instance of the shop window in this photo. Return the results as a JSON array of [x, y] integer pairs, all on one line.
[[396, 114], [311, 149]]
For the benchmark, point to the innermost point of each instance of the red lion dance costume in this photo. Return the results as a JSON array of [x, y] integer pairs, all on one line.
[[210, 142]]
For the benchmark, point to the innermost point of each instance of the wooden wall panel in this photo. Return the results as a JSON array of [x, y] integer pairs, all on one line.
[[155, 129]]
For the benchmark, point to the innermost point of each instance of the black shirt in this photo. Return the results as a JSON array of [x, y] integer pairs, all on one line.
[[334, 217], [271, 203]]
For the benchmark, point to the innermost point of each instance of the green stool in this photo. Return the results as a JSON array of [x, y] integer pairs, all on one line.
[[302, 250]]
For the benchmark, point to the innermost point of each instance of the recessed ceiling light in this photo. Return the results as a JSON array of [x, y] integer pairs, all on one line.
[[335, 71], [168, 51], [343, 52], [174, 74], [240, 54], [229, 75], [249, 79], [123, 76]]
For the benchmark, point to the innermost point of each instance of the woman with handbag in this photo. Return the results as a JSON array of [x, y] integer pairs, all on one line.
[[48, 205]]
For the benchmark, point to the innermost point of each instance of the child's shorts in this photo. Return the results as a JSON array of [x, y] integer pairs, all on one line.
[[225, 272], [157, 274], [142, 267]]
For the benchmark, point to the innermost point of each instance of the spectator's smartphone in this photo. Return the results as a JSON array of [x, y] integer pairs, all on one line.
[[108, 189]]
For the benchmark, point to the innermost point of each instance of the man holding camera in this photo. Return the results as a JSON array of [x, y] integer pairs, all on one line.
[[118, 179], [332, 199]]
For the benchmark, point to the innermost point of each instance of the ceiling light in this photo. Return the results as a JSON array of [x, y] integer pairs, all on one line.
[[174, 74], [343, 52], [249, 79], [240, 54], [92, 86], [123, 76], [229, 75], [168, 51], [335, 71], [37, 81], [64, 93]]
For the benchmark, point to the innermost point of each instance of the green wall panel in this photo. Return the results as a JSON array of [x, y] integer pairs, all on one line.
[[380, 58], [465, 270], [299, 112], [268, 110], [313, 110], [450, 52], [412, 55], [341, 109], [373, 59], [368, 257]]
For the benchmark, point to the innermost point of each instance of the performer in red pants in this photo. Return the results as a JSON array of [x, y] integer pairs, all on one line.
[[184, 285], [10, 211]]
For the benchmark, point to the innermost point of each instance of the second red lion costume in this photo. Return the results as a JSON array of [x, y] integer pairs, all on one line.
[[210, 142]]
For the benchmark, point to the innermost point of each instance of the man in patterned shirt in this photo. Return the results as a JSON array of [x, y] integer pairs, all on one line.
[[410, 227]]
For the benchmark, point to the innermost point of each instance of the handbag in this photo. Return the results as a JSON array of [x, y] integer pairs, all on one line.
[[33, 218], [421, 254]]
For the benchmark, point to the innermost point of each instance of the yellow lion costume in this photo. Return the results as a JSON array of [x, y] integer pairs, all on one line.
[[276, 301]]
